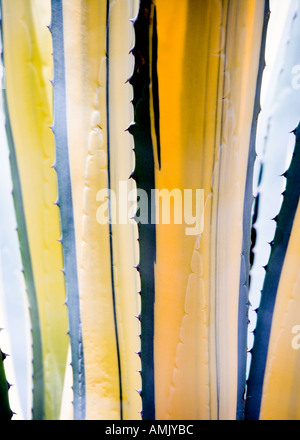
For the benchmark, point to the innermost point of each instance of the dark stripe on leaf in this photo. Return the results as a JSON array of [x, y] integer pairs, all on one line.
[[155, 94], [284, 220], [144, 176], [247, 239], [110, 225]]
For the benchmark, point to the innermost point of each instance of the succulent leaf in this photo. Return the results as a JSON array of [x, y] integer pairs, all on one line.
[[28, 108]]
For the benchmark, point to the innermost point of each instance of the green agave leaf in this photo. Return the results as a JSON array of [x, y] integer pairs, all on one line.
[[66, 209], [5, 411], [144, 177], [38, 379], [12, 281]]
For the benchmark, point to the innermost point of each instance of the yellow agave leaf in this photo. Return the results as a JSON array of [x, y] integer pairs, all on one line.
[[100, 156], [207, 64], [281, 387], [28, 67], [124, 232]]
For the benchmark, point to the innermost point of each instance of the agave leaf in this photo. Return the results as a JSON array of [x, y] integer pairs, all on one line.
[[5, 411], [124, 233], [98, 111], [280, 113], [28, 66], [66, 209], [278, 256], [87, 151], [248, 241], [280, 395], [143, 175], [210, 104], [13, 290]]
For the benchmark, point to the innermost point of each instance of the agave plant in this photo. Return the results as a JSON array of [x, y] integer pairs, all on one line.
[[113, 110]]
